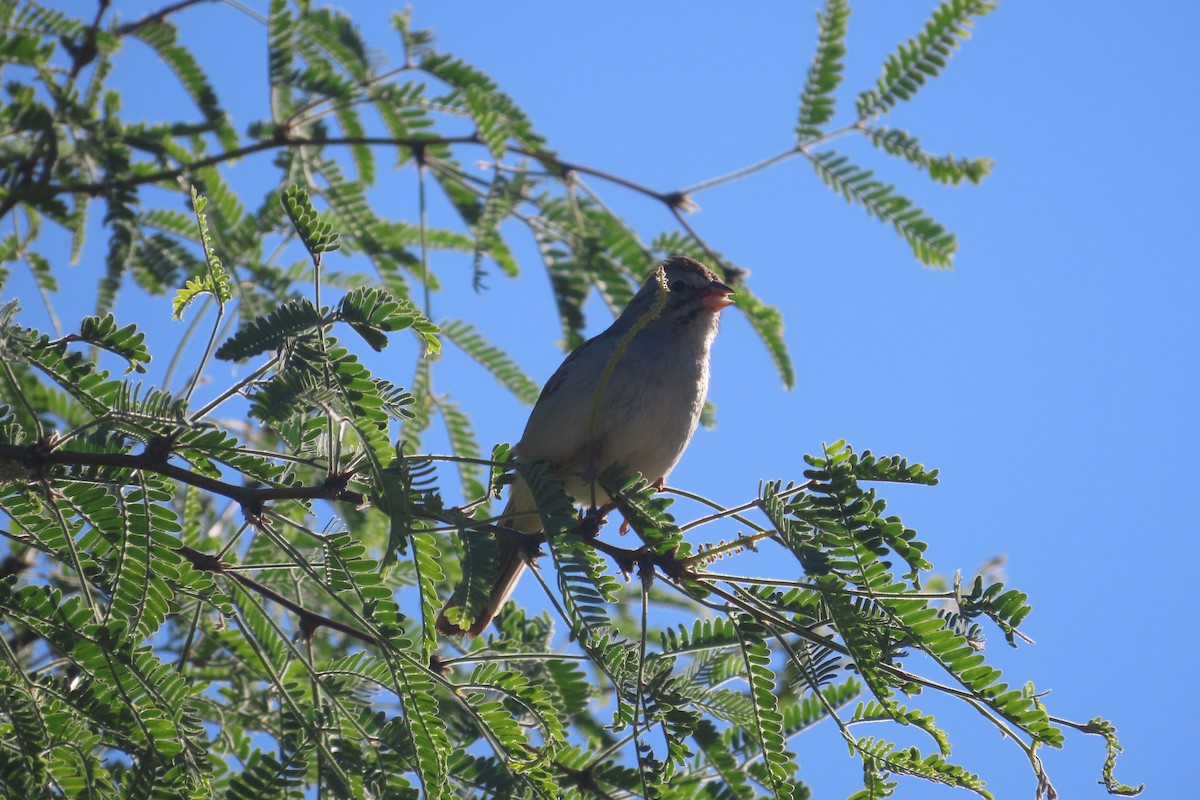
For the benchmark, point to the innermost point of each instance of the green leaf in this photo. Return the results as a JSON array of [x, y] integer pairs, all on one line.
[[373, 313], [882, 757], [583, 579], [120, 200], [797, 535], [767, 322], [915, 61], [126, 342], [264, 776], [426, 561], [412, 39], [502, 197], [216, 280], [364, 158], [465, 445], [490, 124], [943, 169], [146, 563], [43, 273], [160, 263], [893, 469], [645, 510], [931, 243], [735, 778], [316, 233], [425, 727], [162, 37], [492, 358], [825, 72], [480, 567], [72, 371], [23, 48], [466, 79], [768, 723], [1113, 749], [272, 331], [281, 33], [337, 37], [875, 712]]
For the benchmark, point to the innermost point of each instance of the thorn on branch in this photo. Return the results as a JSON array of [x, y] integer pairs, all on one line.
[[307, 626], [34, 459], [592, 521], [734, 274], [673, 566], [646, 573], [205, 562], [253, 508], [628, 560], [531, 547], [158, 449], [308, 621], [583, 779], [335, 485], [681, 201]]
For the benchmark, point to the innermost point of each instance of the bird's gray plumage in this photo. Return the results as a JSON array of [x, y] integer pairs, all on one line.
[[646, 415]]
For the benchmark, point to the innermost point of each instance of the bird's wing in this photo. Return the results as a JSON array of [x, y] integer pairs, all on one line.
[[557, 426]]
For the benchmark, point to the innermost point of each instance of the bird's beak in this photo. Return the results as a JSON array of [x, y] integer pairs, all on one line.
[[716, 296]]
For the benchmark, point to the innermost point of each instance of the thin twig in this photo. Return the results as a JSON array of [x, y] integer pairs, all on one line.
[[157, 16], [232, 390], [188, 333], [818, 587], [738, 174], [309, 620], [569, 166], [54, 323], [16, 387], [713, 258]]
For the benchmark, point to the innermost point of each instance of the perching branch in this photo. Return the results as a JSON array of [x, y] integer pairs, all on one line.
[[37, 457], [97, 188]]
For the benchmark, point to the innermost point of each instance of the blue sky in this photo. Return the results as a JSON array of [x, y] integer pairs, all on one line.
[[1051, 376]]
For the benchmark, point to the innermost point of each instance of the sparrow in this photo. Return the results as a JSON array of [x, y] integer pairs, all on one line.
[[649, 409]]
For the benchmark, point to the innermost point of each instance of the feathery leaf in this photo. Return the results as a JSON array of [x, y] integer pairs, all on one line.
[[915, 61], [825, 73], [931, 243]]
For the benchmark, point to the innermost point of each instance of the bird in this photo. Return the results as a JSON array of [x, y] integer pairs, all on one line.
[[656, 356]]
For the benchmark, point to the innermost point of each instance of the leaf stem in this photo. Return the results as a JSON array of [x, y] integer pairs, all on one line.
[[743, 172], [16, 387], [188, 333], [233, 390]]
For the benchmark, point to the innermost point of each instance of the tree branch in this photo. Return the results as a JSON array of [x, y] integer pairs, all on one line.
[[309, 620], [157, 16], [94, 189], [252, 498], [565, 167]]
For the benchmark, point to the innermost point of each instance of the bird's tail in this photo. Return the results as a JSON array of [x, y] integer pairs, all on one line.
[[521, 515]]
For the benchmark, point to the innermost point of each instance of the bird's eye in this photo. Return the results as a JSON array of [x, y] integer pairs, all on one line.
[[677, 285]]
